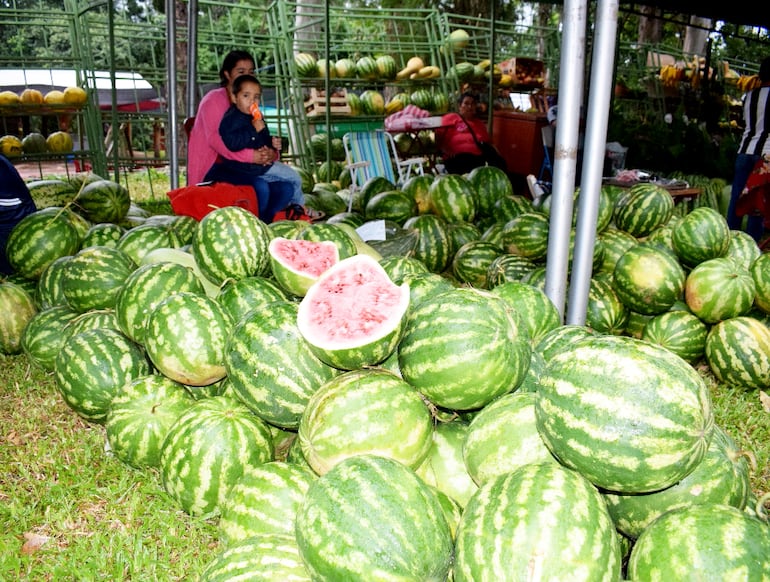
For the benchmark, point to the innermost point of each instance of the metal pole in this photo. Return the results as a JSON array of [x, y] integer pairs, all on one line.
[[602, 66], [572, 65], [114, 121], [172, 133], [192, 57]]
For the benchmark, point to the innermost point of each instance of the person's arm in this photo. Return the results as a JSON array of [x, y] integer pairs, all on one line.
[[238, 133]]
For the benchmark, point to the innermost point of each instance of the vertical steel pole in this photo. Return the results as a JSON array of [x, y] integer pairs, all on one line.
[[602, 65], [572, 66], [192, 57], [172, 131]]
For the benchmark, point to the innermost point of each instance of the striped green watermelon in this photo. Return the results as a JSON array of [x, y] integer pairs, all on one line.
[[271, 367], [701, 235], [207, 450], [531, 380], [185, 338], [43, 335], [372, 101], [296, 264], [537, 311], [392, 205], [399, 267], [241, 296], [262, 558], [452, 198], [105, 234], [17, 309], [423, 286], [490, 184], [39, 239], [366, 411], [147, 286], [444, 467], [386, 67], [503, 437], [51, 192], [471, 262], [418, 187], [231, 243], [742, 248], [372, 518], [94, 319], [366, 68], [140, 240], [460, 233], [463, 348], [422, 98], [527, 236], [140, 415], [93, 366], [738, 352], [541, 522], [305, 64], [94, 276], [508, 268], [335, 233], [628, 415], [509, 207], [643, 208], [605, 312], [536, 277], [432, 247], [184, 258], [263, 501], [760, 273], [722, 477], [636, 323], [353, 315], [680, 332], [345, 67], [103, 201], [614, 243], [718, 289], [648, 278], [372, 186], [722, 543]]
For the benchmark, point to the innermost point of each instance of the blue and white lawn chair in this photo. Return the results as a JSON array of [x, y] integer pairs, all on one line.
[[372, 154]]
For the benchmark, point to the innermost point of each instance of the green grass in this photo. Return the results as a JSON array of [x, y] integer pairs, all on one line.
[[100, 519], [97, 517]]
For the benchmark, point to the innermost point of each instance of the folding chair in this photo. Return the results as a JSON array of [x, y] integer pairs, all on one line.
[[546, 133], [372, 154]]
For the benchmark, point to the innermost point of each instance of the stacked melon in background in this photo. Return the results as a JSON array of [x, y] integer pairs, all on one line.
[[34, 102], [412, 408]]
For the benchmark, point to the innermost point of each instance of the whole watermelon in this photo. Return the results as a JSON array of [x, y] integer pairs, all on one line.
[[630, 416], [39, 239], [17, 308], [104, 201]]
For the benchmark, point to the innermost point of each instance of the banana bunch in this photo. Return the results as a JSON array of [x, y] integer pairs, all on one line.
[[671, 75], [746, 83]]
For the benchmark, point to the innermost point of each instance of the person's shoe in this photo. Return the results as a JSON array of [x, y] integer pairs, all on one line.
[[298, 212]]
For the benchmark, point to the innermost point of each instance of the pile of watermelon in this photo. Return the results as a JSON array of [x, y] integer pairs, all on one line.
[[413, 408]]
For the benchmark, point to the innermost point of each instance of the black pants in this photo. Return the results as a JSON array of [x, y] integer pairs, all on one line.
[[463, 163]]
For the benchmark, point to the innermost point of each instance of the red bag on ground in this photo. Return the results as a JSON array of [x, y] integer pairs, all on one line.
[[198, 201]]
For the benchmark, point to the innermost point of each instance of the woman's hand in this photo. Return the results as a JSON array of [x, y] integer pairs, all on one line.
[[264, 156]]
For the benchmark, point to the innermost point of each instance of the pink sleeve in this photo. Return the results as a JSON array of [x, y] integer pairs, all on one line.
[[210, 117]]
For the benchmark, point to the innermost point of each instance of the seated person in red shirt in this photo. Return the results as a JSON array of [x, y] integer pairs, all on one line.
[[461, 137]]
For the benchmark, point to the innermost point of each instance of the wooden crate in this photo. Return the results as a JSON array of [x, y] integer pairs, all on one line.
[[316, 104]]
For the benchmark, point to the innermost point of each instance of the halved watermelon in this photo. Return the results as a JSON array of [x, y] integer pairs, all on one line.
[[297, 264], [353, 315]]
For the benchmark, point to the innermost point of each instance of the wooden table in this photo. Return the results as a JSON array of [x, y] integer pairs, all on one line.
[[678, 192]]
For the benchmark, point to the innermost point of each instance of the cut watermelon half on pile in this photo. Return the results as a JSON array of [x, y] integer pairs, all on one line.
[[297, 264], [353, 315]]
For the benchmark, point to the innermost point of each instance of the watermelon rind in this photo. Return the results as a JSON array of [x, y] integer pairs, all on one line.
[[296, 264]]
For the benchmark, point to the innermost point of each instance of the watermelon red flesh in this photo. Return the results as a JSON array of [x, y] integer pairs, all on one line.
[[352, 305], [303, 256]]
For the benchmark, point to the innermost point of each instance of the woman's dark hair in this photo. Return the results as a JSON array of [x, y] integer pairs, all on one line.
[[764, 70], [464, 95], [241, 80], [228, 64]]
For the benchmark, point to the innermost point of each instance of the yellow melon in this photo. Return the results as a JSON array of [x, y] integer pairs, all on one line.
[[59, 142], [10, 146], [31, 97], [75, 96], [8, 98], [54, 97]]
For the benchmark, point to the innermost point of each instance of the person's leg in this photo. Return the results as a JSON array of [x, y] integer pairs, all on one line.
[[280, 172], [744, 164], [280, 197]]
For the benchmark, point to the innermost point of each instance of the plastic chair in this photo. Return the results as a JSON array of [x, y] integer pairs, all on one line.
[[372, 154], [546, 133]]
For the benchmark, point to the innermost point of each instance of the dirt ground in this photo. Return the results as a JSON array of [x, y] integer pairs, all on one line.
[[38, 170]]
